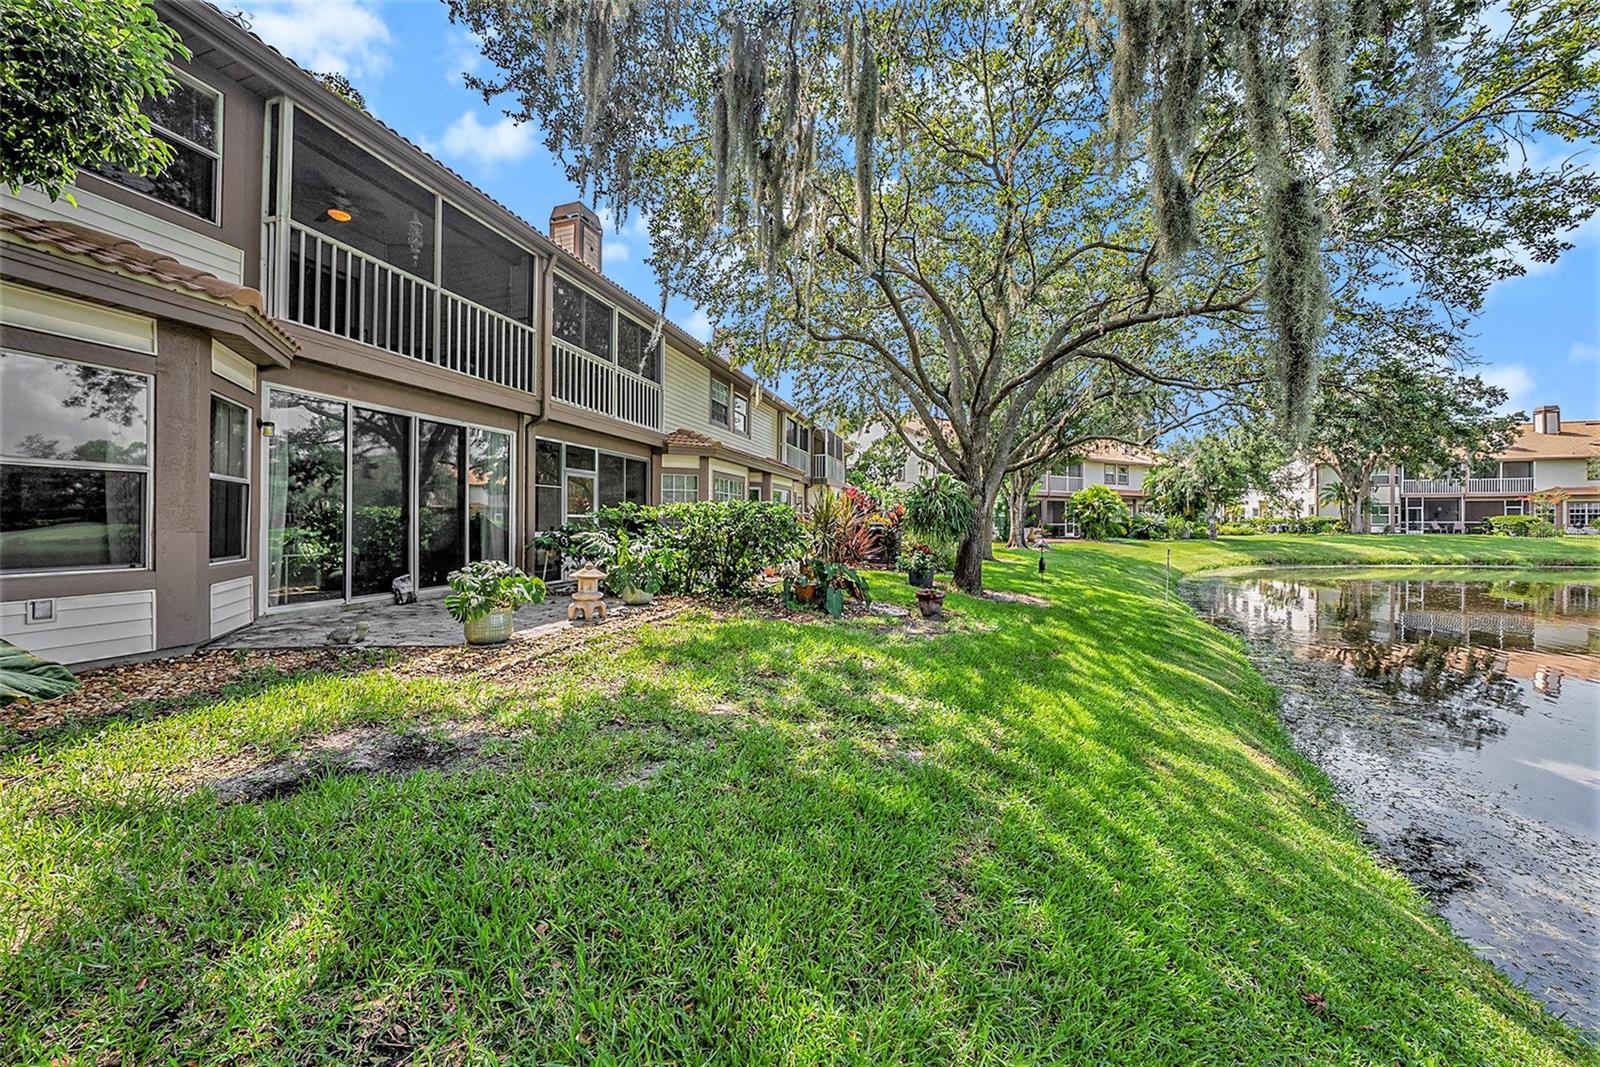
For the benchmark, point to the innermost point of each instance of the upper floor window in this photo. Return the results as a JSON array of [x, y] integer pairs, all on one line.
[[580, 319], [74, 465], [1116, 474], [634, 350], [741, 414], [189, 120], [720, 401], [797, 435]]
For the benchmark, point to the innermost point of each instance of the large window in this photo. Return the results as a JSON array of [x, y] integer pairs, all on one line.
[[424, 498], [797, 435], [74, 465], [230, 478], [1116, 474], [634, 350], [190, 122], [680, 488], [1583, 514], [580, 319], [724, 487], [572, 481]]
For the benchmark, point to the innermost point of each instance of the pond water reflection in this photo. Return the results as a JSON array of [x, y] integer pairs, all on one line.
[[1459, 716]]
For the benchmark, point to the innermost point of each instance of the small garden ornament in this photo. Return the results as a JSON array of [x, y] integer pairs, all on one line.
[[587, 599]]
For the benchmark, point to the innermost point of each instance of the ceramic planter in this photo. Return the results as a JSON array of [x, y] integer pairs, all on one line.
[[634, 597], [922, 579], [930, 602], [491, 629]]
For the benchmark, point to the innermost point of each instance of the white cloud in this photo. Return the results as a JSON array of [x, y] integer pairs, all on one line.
[[616, 251], [503, 142], [463, 55], [1515, 380], [1584, 352], [698, 324], [328, 36]]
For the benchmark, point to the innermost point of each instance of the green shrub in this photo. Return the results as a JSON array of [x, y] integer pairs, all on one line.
[[1305, 524], [719, 546], [489, 585], [1236, 529], [939, 508], [1099, 512], [1520, 526], [1148, 527]]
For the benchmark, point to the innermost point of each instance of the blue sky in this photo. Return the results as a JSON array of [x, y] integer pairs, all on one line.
[[1538, 336]]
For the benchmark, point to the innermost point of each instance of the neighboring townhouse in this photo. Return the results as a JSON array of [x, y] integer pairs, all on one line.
[[1118, 466], [1548, 453], [915, 468], [308, 359]]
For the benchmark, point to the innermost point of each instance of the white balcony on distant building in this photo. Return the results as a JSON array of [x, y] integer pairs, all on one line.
[[1498, 486], [1059, 485], [1432, 487]]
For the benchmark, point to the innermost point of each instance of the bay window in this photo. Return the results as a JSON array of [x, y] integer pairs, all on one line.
[[74, 465]]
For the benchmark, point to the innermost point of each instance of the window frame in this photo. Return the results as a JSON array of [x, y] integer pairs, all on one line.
[[213, 476], [215, 218], [148, 470], [690, 484], [726, 422], [734, 401], [728, 480], [1589, 509], [1116, 473]]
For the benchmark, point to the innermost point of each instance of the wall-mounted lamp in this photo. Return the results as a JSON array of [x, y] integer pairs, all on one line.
[[266, 427]]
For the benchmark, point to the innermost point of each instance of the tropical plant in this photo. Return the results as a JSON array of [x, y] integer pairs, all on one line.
[[820, 583], [25, 677], [635, 564], [939, 508], [487, 586], [1099, 513], [917, 559], [839, 528], [1520, 526], [73, 77]]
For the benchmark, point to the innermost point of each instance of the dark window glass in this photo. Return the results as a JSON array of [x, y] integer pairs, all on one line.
[[380, 492], [187, 122], [636, 486], [68, 518], [228, 503], [741, 414], [54, 410], [719, 402], [580, 458], [566, 312], [391, 218], [634, 350], [596, 326], [484, 267], [547, 463], [612, 488], [548, 513], [489, 495], [305, 499], [228, 438], [441, 506]]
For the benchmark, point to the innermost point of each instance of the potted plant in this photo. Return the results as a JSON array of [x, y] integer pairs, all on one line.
[[635, 573], [485, 595], [930, 602], [919, 563]]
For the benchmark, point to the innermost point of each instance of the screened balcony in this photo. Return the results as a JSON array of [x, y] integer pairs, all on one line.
[[357, 249], [601, 359]]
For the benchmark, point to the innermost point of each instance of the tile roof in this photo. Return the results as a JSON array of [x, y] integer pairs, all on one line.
[[1578, 439], [1108, 451], [124, 257], [682, 438]]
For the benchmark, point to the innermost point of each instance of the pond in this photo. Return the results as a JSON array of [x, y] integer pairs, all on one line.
[[1459, 717]]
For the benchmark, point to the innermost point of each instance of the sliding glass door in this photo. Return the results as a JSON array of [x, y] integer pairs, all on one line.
[[380, 500], [357, 497]]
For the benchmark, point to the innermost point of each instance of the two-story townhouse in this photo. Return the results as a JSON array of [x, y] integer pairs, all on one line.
[[1114, 464], [1548, 453], [308, 359]]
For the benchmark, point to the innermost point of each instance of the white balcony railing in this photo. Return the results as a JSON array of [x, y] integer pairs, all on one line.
[[795, 456], [332, 287], [827, 468], [1059, 484], [592, 383], [1499, 485], [1425, 486]]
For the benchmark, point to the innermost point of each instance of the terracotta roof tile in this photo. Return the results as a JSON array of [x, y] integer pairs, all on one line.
[[1578, 439], [690, 439], [126, 257]]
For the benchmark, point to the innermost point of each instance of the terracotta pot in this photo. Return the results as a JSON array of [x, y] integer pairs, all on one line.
[[930, 602], [494, 628], [634, 597]]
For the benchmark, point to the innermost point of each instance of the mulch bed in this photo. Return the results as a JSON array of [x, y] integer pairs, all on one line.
[[179, 680]]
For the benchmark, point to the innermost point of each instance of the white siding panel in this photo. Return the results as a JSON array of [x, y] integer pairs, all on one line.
[[230, 605], [764, 435], [94, 627], [158, 235], [34, 309], [687, 405]]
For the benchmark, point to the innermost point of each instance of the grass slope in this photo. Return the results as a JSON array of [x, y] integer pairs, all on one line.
[[1461, 550], [1065, 832]]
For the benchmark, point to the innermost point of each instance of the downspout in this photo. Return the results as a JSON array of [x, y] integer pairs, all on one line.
[[531, 423]]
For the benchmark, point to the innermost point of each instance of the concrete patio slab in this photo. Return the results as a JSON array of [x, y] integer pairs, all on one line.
[[385, 624]]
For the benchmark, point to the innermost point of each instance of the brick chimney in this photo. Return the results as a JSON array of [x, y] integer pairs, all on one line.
[[1547, 419], [577, 229]]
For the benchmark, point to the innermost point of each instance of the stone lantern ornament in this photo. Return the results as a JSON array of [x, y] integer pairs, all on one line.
[[587, 599]]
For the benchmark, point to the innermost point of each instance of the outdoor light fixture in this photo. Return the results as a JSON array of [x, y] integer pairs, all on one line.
[[267, 428], [339, 214]]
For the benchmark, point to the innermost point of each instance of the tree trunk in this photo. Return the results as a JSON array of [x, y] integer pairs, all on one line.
[[1018, 506], [977, 546]]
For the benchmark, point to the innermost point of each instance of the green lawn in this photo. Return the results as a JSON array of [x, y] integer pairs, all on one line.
[[1440, 549], [1061, 832]]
